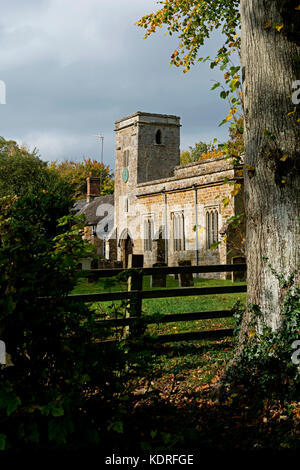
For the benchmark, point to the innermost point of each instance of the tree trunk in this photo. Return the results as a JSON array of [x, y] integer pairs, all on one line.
[[270, 65]]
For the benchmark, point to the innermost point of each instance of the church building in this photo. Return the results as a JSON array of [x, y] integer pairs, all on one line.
[[168, 212]]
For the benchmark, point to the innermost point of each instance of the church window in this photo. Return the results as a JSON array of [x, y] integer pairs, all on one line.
[[212, 230], [148, 231], [158, 137], [178, 231]]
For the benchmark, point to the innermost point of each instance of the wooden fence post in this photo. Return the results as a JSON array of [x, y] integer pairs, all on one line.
[[135, 283]]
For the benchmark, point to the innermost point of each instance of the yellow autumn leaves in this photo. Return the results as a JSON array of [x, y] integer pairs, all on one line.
[[277, 26]]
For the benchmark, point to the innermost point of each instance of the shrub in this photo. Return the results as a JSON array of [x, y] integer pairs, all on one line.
[[23, 172], [65, 389], [264, 364]]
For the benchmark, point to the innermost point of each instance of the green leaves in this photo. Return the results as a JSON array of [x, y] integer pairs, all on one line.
[[269, 135], [2, 441], [116, 426], [65, 386], [59, 430], [226, 201], [23, 172], [54, 409], [13, 404], [74, 174], [193, 22], [224, 94], [263, 365], [236, 220], [216, 85], [9, 401]]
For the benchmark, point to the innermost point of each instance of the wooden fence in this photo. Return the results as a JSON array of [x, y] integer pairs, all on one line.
[[135, 295]]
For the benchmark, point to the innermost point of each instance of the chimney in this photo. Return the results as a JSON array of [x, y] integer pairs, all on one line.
[[92, 187]]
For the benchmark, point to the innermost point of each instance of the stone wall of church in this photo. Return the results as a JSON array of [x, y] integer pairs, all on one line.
[[150, 187], [211, 187]]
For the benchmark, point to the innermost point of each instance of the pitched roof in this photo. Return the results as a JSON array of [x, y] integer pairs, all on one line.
[[90, 209]]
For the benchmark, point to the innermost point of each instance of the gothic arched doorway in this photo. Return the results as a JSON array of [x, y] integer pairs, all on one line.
[[126, 245]]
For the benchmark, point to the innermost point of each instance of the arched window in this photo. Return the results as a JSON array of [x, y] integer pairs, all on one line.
[[212, 228], [148, 230], [126, 158], [126, 206], [208, 231], [216, 228], [178, 231], [158, 137]]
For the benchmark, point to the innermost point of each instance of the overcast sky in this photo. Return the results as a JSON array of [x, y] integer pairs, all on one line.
[[73, 67]]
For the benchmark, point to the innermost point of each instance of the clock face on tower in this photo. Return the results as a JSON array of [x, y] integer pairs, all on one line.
[[125, 175]]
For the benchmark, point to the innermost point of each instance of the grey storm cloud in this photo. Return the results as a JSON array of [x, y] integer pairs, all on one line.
[[73, 67]]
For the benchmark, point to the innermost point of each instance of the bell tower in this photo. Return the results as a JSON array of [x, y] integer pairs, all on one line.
[[147, 149]]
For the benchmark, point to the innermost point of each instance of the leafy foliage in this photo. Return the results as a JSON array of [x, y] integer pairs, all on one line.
[[234, 147], [23, 172], [197, 151], [185, 157], [214, 153], [264, 363], [76, 173], [194, 154], [61, 388], [193, 23]]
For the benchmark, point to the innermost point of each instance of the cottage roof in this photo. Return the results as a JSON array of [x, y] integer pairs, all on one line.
[[91, 209]]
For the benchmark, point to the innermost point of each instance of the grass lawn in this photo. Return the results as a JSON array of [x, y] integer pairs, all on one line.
[[193, 363], [168, 305], [204, 358]]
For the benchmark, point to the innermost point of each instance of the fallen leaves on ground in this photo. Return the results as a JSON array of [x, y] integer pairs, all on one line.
[[182, 404]]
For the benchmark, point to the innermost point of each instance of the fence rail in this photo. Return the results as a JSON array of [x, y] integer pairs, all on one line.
[[169, 318], [157, 294], [212, 268], [135, 295]]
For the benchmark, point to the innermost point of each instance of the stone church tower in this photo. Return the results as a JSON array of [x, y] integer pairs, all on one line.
[[147, 149]]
